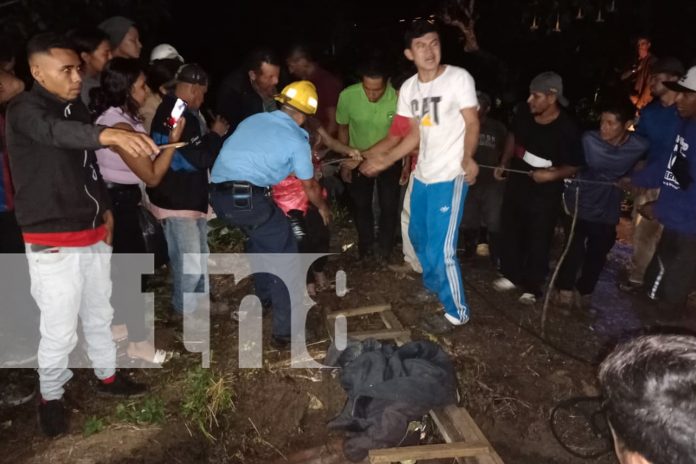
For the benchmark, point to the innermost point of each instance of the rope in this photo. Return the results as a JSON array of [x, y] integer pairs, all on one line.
[[549, 289], [570, 179]]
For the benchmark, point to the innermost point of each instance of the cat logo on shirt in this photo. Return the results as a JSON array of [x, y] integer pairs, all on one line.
[[427, 110]]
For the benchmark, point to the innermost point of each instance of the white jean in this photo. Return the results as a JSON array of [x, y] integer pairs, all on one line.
[[68, 282], [409, 253]]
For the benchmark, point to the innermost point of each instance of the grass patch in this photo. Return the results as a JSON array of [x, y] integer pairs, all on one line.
[[93, 425], [148, 411], [206, 397], [224, 239]]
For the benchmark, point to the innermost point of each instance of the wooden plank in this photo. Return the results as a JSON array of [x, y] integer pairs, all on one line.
[[455, 425], [384, 334], [392, 322], [441, 451], [359, 311]]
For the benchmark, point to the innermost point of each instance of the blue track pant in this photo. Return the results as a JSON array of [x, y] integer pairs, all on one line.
[[436, 211]]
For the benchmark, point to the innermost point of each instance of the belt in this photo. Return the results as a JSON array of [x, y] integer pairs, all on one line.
[[232, 184], [119, 187]]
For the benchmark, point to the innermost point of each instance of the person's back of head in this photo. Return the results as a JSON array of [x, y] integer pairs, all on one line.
[[160, 74], [117, 81], [8, 54], [649, 388]]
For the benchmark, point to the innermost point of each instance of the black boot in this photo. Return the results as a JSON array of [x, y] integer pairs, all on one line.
[[52, 418]]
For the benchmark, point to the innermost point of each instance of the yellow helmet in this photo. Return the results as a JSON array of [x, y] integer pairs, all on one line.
[[301, 95]]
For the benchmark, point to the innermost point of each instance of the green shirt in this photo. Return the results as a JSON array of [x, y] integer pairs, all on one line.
[[367, 122]]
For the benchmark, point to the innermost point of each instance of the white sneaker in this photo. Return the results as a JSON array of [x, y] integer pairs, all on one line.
[[503, 284], [527, 299], [455, 321]]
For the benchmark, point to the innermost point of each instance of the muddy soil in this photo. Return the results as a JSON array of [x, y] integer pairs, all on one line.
[[510, 377]]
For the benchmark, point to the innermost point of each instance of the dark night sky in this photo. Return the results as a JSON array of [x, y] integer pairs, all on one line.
[[585, 52]]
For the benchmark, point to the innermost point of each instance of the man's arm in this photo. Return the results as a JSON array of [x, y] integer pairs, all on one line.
[[343, 133], [379, 162], [33, 122], [383, 146], [554, 174], [152, 171], [313, 191], [471, 140], [332, 126], [508, 152], [337, 146]]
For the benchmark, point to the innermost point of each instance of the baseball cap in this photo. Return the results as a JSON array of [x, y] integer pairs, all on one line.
[[549, 82], [165, 52], [686, 84], [116, 28], [668, 65], [190, 73]]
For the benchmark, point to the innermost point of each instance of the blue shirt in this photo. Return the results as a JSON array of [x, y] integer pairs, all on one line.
[[659, 124], [675, 207], [608, 163], [263, 150]]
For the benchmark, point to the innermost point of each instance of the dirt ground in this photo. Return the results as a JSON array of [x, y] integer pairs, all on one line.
[[510, 378]]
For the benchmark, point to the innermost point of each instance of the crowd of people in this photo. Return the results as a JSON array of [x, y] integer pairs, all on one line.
[[94, 142]]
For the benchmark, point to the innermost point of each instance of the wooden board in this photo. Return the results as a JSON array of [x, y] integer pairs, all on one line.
[[441, 451], [383, 334], [358, 311], [392, 322], [456, 425]]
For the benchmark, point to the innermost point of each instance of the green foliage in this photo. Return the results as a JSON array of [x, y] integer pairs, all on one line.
[[93, 425], [206, 397], [223, 239], [148, 411]]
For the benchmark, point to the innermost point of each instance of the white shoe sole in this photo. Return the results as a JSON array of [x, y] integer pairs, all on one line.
[[527, 299], [503, 285], [454, 321]]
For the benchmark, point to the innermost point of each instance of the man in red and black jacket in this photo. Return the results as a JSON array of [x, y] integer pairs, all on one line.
[[62, 207]]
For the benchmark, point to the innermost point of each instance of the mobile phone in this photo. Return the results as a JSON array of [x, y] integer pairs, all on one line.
[[177, 112]]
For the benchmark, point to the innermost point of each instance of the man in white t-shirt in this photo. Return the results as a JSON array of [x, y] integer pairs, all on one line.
[[440, 101]]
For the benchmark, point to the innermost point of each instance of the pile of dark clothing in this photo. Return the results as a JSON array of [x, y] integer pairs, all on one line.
[[387, 388]]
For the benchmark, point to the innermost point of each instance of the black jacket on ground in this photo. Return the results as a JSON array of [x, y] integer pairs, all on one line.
[[387, 388], [185, 185], [51, 143]]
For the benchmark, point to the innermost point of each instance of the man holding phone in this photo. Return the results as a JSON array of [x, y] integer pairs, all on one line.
[[264, 149], [63, 209], [180, 201]]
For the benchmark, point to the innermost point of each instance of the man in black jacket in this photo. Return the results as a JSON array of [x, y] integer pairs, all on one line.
[[250, 89], [62, 208], [180, 201]]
